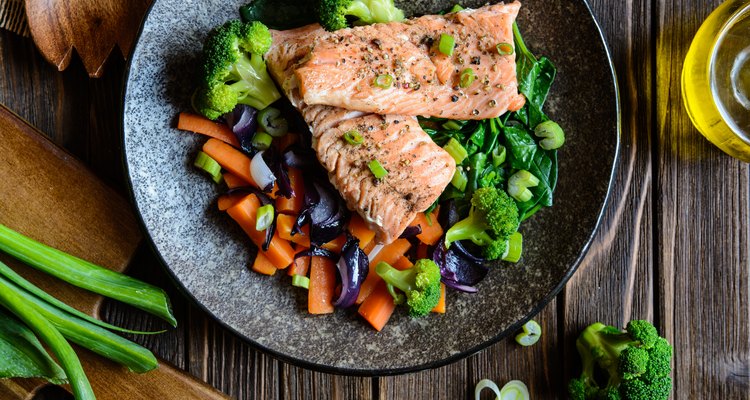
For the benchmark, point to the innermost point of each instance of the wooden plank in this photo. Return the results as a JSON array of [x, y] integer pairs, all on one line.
[[300, 383], [614, 284], [704, 234], [227, 362]]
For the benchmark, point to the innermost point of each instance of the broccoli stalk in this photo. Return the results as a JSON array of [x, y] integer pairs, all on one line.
[[635, 363], [333, 14], [420, 285], [234, 71], [493, 217]]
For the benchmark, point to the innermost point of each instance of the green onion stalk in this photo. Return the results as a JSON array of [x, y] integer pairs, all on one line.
[[87, 275]]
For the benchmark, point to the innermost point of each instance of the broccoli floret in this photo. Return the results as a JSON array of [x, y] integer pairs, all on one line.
[[636, 363], [234, 71], [420, 285], [335, 14], [493, 217]]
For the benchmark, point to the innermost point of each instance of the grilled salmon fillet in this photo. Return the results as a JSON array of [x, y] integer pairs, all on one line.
[[342, 66], [418, 169]]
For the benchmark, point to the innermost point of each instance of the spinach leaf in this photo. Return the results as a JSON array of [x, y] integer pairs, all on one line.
[[535, 86], [544, 167], [520, 146], [23, 356], [280, 14]]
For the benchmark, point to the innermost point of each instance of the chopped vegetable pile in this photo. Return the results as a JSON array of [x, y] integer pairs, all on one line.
[[274, 188]]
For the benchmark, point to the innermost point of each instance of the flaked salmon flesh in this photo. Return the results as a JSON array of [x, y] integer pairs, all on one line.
[[342, 66], [418, 169]]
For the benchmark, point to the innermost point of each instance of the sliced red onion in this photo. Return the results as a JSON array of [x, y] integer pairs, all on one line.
[[456, 270], [243, 123], [353, 266], [375, 250], [260, 172], [275, 162], [299, 157], [411, 231], [317, 252]]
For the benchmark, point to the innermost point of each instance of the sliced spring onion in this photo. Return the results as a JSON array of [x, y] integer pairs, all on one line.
[[271, 121], [504, 49], [460, 179], [446, 44], [99, 340], [530, 334], [301, 281], [456, 150], [264, 217], [384, 81], [456, 8], [377, 169], [261, 173], [514, 390], [519, 183], [552, 134], [86, 275], [452, 125], [353, 137], [12, 276], [466, 78], [209, 165], [498, 155], [515, 248], [54, 340], [261, 140], [22, 354]]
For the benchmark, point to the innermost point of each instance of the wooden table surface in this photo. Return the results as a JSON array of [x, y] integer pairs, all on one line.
[[674, 246]]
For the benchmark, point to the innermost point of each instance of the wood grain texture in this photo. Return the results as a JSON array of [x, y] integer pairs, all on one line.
[[92, 27], [673, 247], [704, 236]]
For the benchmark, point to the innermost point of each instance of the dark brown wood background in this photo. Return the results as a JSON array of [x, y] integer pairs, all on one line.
[[674, 246]]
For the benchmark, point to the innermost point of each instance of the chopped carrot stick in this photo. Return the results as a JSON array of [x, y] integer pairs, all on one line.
[[322, 286], [234, 181], [228, 200], [390, 254], [359, 229], [230, 159], [263, 265], [294, 204], [204, 126], [280, 251], [431, 233], [440, 307], [284, 225], [378, 307], [335, 245], [403, 263], [300, 266]]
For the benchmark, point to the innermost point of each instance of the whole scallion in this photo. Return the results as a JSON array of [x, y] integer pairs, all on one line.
[[47, 332], [86, 275]]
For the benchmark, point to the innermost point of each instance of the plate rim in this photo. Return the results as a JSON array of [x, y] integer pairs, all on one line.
[[374, 372]]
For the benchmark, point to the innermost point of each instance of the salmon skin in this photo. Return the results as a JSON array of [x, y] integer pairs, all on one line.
[[418, 169], [342, 66]]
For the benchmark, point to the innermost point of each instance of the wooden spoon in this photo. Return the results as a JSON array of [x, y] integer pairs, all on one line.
[[92, 27]]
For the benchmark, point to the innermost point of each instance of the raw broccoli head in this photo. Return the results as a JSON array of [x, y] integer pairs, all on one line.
[[335, 14], [420, 285], [234, 70], [492, 218], [635, 363]]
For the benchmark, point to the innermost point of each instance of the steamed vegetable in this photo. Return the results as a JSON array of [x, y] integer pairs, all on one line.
[[419, 285], [234, 71], [492, 218], [630, 365], [353, 266], [337, 14]]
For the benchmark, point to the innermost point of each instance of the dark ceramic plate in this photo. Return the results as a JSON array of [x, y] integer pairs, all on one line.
[[209, 256]]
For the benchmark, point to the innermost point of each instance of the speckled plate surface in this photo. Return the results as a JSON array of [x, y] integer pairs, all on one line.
[[209, 256]]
